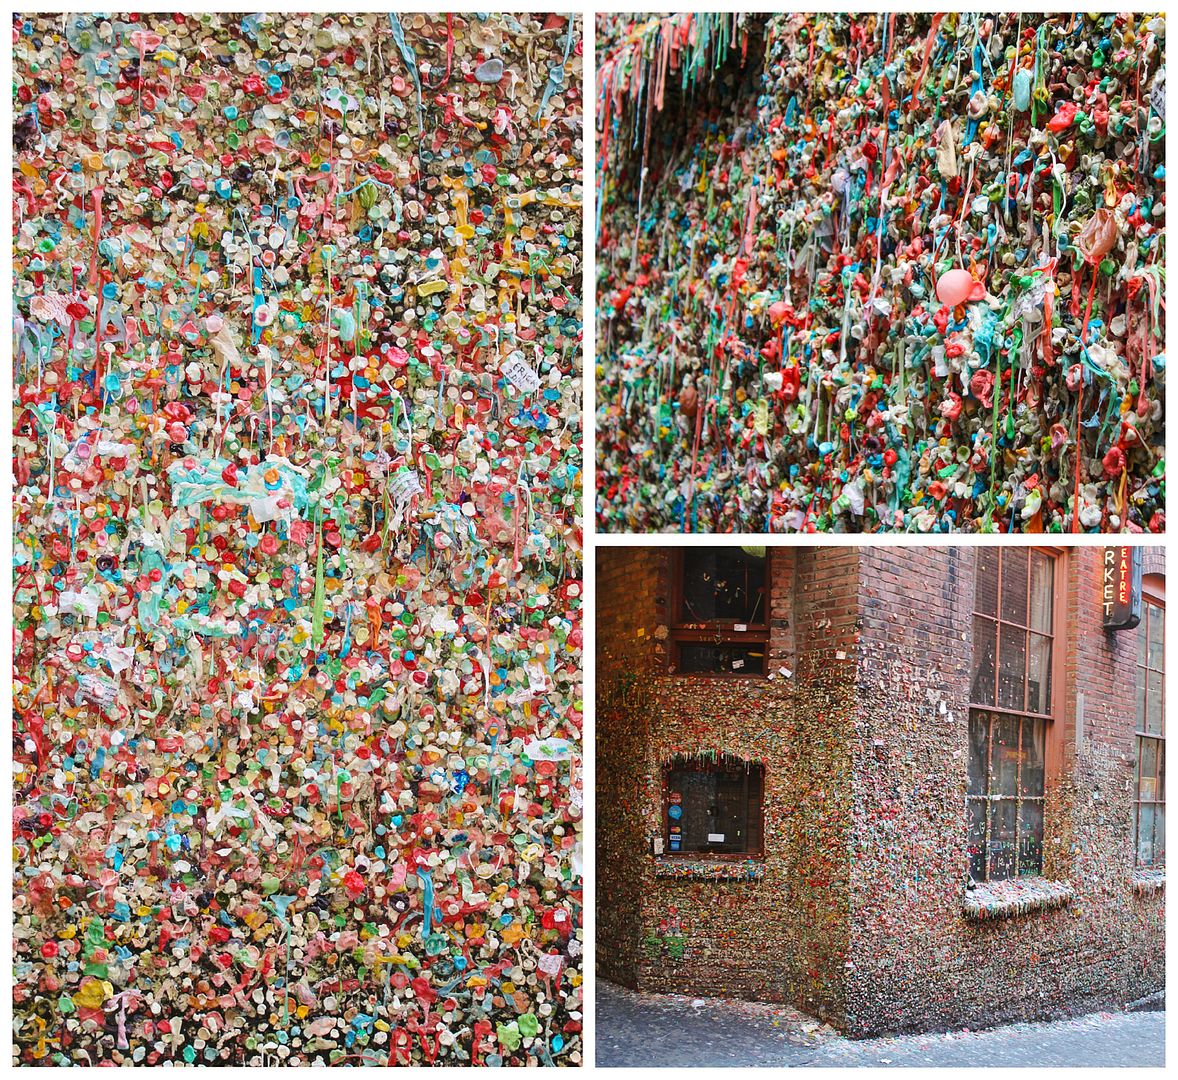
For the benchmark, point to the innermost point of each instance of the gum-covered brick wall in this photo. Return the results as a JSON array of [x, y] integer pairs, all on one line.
[[771, 928], [297, 583], [918, 962], [881, 272], [856, 912]]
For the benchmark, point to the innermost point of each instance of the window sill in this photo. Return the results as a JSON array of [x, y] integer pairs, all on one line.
[[1018, 896], [730, 676], [703, 868], [1149, 879]]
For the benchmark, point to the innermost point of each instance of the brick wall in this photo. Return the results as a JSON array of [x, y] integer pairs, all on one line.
[[782, 936], [625, 622], [1103, 664], [918, 962]]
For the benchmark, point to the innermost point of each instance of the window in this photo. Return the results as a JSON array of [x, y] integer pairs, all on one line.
[[714, 806], [1011, 702], [1149, 806], [720, 622]]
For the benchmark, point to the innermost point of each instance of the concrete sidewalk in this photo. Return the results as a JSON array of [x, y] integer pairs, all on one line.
[[666, 1030]]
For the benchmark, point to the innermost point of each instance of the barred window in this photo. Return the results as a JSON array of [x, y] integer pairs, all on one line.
[[1149, 805], [714, 806], [719, 604], [1011, 699]]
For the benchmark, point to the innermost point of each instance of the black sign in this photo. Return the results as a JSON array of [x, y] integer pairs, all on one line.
[[1120, 596]]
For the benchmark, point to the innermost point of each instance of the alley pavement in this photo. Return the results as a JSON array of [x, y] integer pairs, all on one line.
[[667, 1030]]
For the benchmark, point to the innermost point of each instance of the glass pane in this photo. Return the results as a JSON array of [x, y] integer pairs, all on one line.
[[1140, 696], [1030, 837], [1004, 756], [1031, 777], [730, 814], [1039, 674], [986, 589], [753, 816], [1042, 591], [1145, 823], [1002, 853], [1147, 770], [979, 732], [1014, 585], [1153, 704], [723, 584], [1012, 667], [1142, 632], [976, 845], [733, 659], [708, 807], [1157, 636], [982, 683], [691, 797], [1159, 834]]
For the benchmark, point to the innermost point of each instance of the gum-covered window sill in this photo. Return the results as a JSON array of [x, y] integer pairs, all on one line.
[[1018, 896], [703, 868], [1149, 879]]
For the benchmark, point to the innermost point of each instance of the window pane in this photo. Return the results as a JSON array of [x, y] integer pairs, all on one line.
[[1042, 591], [1157, 636], [1039, 674], [1012, 667], [1004, 756], [735, 659], [1031, 777], [1140, 695], [1153, 704], [1142, 632], [691, 796], [979, 732], [986, 590], [1014, 585], [982, 683], [1147, 770], [723, 583], [729, 820], [753, 814], [976, 846], [709, 808], [1002, 854], [1145, 822], [1159, 834], [1030, 837]]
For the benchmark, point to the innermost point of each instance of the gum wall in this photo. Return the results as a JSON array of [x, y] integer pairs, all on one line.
[[881, 273], [297, 596]]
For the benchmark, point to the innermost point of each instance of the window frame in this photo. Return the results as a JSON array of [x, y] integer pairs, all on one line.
[[1018, 798], [718, 631], [1057, 658], [1057, 627], [1155, 597], [691, 763]]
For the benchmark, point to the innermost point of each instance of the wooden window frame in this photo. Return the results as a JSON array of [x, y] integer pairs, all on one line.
[[1053, 751], [1018, 798], [719, 631], [998, 623], [688, 763], [1150, 596]]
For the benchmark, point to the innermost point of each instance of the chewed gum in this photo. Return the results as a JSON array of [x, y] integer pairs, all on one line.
[[816, 231], [297, 446]]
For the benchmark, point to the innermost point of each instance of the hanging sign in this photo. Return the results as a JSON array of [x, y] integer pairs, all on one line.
[[1121, 587]]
